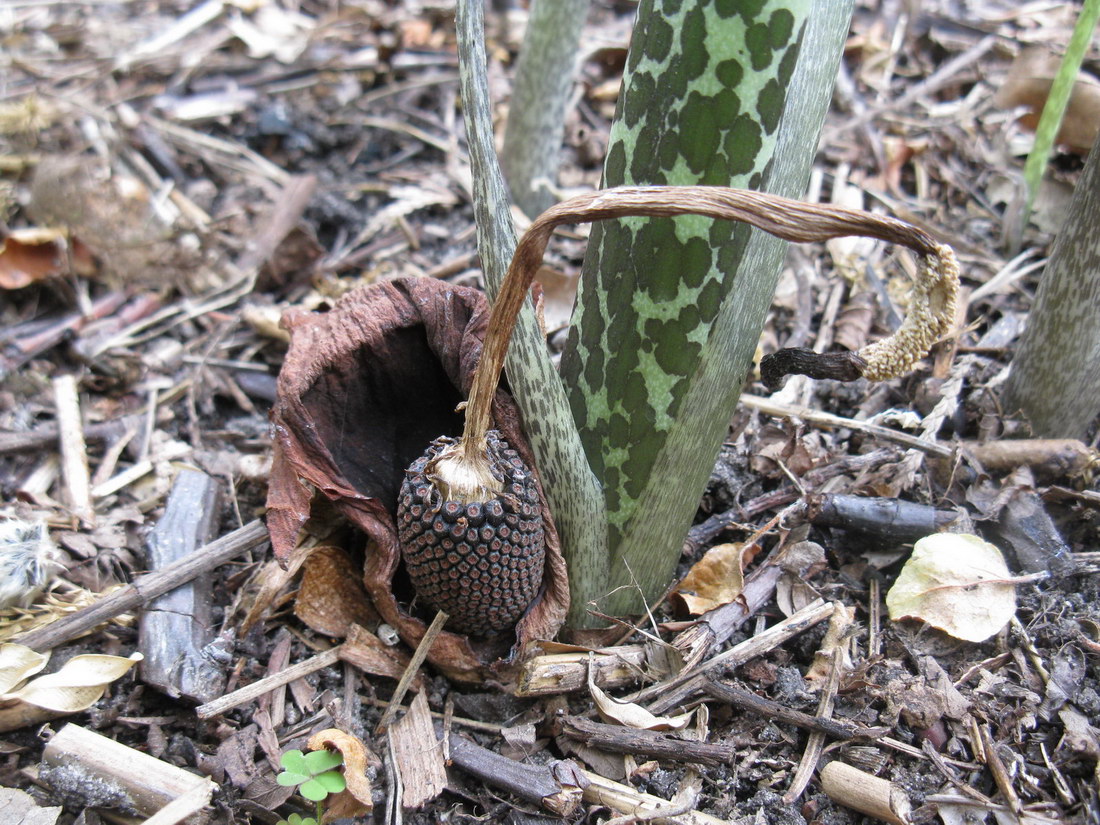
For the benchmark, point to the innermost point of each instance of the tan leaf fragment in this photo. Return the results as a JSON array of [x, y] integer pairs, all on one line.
[[630, 714], [956, 582], [716, 579], [30, 255], [1028, 83], [836, 636], [331, 596], [19, 663], [355, 799], [77, 685]]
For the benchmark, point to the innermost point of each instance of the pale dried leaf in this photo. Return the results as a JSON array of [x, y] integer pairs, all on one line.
[[630, 714], [17, 664], [1028, 83], [19, 808], [77, 685], [956, 582]]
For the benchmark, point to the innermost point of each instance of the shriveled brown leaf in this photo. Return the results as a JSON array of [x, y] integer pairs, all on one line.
[[364, 650], [364, 389], [1028, 84], [31, 255], [714, 580], [331, 596]]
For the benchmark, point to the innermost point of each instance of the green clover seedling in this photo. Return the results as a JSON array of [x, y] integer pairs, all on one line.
[[315, 776]]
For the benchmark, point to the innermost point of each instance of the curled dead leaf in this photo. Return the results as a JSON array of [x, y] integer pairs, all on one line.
[[17, 664], [364, 389], [76, 686], [631, 714], [1028, 84], [355, 799], [31, 255]]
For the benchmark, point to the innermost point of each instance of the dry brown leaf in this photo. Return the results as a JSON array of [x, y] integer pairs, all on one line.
[[364, 650], [1028, 84], [331, 596], [956, 582], [355, 799], [31, 255], [714, 580]]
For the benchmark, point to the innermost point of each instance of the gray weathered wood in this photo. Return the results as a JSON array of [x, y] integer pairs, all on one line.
[[145, 588], [177, 625]]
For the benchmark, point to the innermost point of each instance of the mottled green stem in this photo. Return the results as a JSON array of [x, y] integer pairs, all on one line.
[[572, 491], [669, 311], [536, 116], [1055, 377]]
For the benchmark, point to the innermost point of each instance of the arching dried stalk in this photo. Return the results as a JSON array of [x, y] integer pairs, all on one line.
[[463, 471]]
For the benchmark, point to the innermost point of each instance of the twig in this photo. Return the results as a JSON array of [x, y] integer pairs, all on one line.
[[47, 436], [74, 450], [648, 742], [147, 587], [556, 787], [830, 421], [673, 691], [421, 653], [816, 741], [248, 693], [865, 793], [997, 768], [769, 709]]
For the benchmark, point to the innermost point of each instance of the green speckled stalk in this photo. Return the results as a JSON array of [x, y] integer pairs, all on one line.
[[571, 489], [667, 314]]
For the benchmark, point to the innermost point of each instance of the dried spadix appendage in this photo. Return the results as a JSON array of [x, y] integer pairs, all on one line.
[[476, 471]]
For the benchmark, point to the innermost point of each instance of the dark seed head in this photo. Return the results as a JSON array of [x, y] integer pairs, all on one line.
[[481, 562]]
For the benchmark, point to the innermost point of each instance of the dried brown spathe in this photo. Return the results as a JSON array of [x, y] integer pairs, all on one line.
[[365, 388]]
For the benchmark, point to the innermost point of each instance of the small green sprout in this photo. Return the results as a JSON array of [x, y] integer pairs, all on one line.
[[315, 776]]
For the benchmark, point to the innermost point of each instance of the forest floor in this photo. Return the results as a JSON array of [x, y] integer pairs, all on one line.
[[174, 176]]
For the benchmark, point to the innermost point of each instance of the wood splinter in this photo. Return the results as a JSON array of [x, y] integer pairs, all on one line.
[[866, 793]]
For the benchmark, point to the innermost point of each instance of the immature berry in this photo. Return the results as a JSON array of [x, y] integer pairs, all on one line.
[[480, 561]]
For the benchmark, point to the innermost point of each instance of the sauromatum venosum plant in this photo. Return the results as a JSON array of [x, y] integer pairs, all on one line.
[[715, 93]]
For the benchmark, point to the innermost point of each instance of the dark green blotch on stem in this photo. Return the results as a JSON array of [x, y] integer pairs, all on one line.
[[743, 143], [694, 57], [658, 40], [701, 141], [730, 73], [780, 26], [759, 42], [769, 105]]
